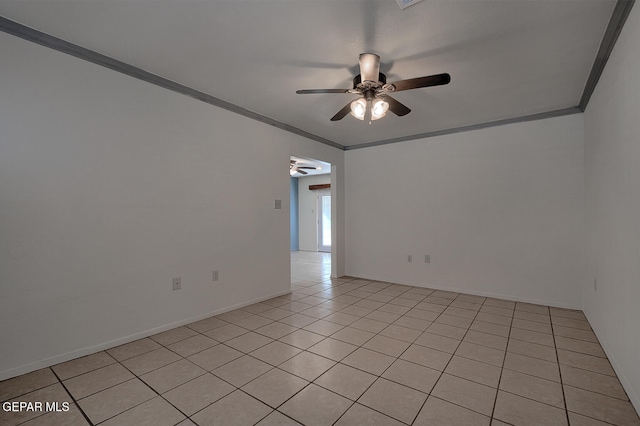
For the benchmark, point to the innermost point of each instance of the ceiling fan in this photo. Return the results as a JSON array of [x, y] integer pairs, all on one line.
[[295, 168], [372, 87]]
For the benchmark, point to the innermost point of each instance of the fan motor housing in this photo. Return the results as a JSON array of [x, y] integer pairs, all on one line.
[[357, 80]]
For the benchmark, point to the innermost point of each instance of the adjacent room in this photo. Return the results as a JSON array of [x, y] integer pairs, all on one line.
[[456, 242]]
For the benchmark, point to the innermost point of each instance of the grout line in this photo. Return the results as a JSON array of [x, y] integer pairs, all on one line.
[[73, 399]]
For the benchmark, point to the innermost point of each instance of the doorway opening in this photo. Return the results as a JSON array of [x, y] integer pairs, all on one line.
[[310, 220]]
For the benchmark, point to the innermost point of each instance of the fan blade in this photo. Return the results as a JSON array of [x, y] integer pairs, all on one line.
[[396, 107], [369, 67], [415, 83], [305, 167], [303, 172], [342, 113], [313, 91]]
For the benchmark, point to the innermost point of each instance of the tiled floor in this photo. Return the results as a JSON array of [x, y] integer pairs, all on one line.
[[344, 352]]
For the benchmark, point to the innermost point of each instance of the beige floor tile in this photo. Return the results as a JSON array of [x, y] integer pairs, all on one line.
[[275, 353], [82, 365], [253, 322], [156, 411], [532, 366], [332, 349], [241, 371], [425, 315], [256, 308], [358, 311], [275, 387], [97, 380], [115, 400], [26, 383], [174, 335], [436, 341], [192, 345], [486, 339], [580, 420], [438, 300], [317, 312], [427, 305], [460, 312], [532, 337], [298, 320], [475, 371], [73, 417], [248, 342], [150, 361], [51, 393], [214, 357], [494, 319], [302, 339], [307, 365], [385, 317], [581, 346], [575, 333], [490, 328], [540, 327], [500, 303], [369, 361], [276, 314], [573, 323], [481, 353], [316, 406], [600, 407], [129, 350], [533, 350], [530, 316], [346, 381], [324, 328], [237, 408], [276, 418], [386, 345], [426, 357], [455, 321], [496, 310], [395, 309], [401, 333], [369, 325], [206, 324], [412, 375], [353, 335], [370, 304], [342, 318], [567, 313], [380, 297], [521, 411], [413, 323], [442, 413], [447, 330], [172, 375], [530, 307], [276, 330], [226, 332], [193, 396], [406, 301], [594, 382], [364, 416], [233, 316], [586, 362], [394, 400], [466, 305], [468, 394], [541, 390]]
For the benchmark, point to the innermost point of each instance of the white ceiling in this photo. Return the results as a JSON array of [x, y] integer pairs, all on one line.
[[506, 58]]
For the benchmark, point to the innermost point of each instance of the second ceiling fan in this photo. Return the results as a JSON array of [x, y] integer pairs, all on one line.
[[372, 86]]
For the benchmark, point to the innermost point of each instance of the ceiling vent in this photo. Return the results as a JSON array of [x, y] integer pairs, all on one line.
[[406, 3]]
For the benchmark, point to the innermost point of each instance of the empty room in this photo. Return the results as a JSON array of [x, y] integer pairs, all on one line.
[[456, 241]]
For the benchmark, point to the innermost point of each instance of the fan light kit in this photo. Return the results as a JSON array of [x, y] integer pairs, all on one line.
[[372, 86]]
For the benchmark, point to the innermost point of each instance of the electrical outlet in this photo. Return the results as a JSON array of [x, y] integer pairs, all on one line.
[[215, 275], [409, 258], [427, 258], [177, 283], [278, 204]]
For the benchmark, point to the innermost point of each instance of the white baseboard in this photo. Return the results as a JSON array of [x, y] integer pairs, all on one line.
[[555, 304], [48, 362]]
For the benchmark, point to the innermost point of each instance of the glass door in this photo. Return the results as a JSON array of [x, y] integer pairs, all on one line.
[[324, 221]]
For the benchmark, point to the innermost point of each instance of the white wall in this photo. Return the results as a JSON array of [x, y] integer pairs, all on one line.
[[307, 214], [109, 187], [612, 171], [499, 210]]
